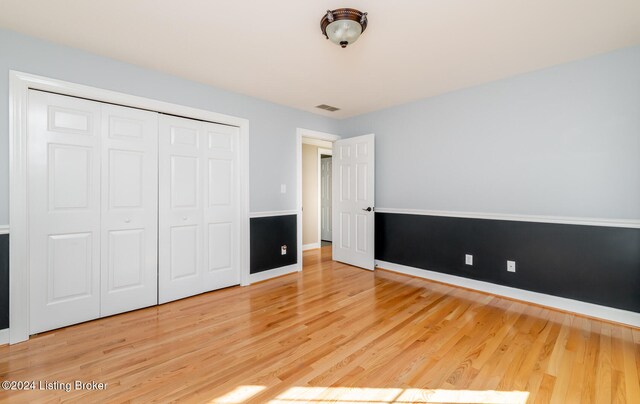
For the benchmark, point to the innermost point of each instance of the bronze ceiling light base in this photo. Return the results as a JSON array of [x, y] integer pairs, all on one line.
[[343, 26]]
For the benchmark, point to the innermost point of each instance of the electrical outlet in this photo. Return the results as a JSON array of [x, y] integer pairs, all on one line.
[[283, 250], [468, 259], [511, 266], [283, 188]]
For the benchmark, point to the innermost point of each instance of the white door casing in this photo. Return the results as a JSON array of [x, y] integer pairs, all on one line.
[[354, 201], [198, 223], [129, 209], [325, 199], [64, 147]]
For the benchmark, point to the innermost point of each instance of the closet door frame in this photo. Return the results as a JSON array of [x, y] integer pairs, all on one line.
[[19, 85]]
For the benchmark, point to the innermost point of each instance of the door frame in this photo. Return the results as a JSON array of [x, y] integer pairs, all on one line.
[[326, 152], [311, 134], [19, 85]]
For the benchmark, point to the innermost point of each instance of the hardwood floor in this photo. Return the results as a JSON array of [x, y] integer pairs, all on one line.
[[335, 334]]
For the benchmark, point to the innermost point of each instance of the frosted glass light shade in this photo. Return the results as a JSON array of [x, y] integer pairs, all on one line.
[[343, 26], [344, 32]]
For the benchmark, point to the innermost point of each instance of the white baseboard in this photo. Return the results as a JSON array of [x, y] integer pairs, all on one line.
[[273, 273], [574, 306], [310, 246], [4, 336]]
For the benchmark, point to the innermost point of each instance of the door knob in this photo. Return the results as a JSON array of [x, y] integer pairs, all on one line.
[[369, 209]]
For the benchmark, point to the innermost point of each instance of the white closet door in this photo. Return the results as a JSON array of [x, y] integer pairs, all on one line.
[[198, 241], [64, 210], [221, 201], [129, 209], [181, 223]]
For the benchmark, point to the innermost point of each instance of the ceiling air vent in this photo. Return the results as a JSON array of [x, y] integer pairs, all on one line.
[[327, 107]]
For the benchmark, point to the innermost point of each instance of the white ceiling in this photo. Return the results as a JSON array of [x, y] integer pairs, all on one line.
[[274, 49]]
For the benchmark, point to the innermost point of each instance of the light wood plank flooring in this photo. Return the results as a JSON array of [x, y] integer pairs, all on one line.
[[335, 334]]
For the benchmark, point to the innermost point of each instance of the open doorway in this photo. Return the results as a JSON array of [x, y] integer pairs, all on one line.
[[316, 197], [315, 224], [325, 193]]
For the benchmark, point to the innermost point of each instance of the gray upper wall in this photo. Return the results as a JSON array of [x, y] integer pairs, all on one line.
[[272, 126], [564, 141]]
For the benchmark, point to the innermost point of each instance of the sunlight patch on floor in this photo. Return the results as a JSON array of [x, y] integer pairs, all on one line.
[[363, 395], [239, 395]]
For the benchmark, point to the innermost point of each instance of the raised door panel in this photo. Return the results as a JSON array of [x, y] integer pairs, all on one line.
[[221, 138], [184, 252], [125, 127], [129, 209], [69, 171], [361, 233], [220, 242], [126, 179], [126, 260], [71, 120], [362, 194], [183, 135], [69, 267], [345, 182], [63, 148], [185, 173], [220, 182], [345, 230]]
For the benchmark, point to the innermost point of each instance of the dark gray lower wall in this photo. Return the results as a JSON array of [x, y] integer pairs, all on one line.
[[592, 264], [268, 234], [4, 281]]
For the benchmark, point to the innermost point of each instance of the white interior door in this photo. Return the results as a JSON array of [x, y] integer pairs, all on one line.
[[129, 250], [353, 201], [325, 199], [64, 210], [199, 215]]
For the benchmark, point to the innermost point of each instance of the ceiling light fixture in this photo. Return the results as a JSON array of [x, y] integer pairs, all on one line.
[[343, 26]]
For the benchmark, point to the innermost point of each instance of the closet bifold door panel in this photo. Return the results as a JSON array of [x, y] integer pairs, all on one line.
[[129, 230], [198, 235], [64, 146], [221, 214], [93, 209], [181, 215]]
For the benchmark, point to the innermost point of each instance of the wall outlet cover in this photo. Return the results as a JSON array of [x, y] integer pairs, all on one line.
[[468, 259], [283, 250], [511, 266]]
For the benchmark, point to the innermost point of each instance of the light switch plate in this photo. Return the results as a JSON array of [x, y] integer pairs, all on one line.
[[283, 188], [511, 266], [283, 250]]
